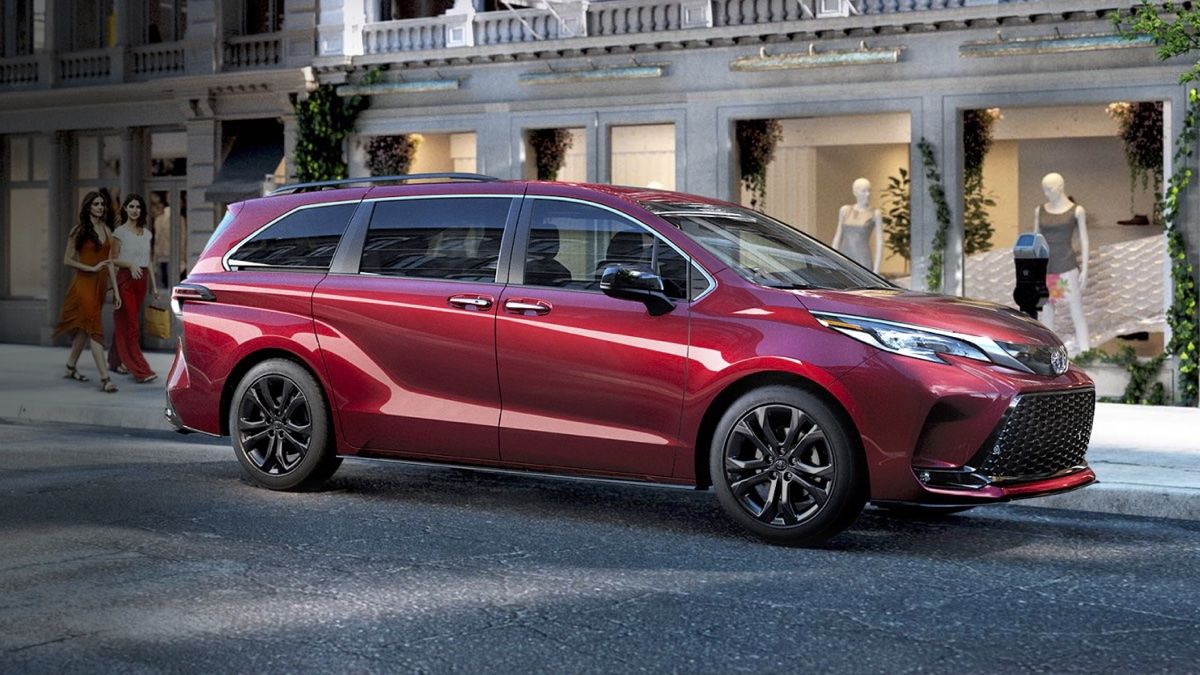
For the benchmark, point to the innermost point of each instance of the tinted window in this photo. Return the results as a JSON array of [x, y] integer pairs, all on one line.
[[439, 238], [302, 239], [570, 244]]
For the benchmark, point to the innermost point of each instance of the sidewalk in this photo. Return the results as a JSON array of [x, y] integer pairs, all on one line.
[[1147, 458]]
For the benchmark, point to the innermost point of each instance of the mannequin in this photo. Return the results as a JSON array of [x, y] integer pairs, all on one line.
[[1059, 219], [856, 223]]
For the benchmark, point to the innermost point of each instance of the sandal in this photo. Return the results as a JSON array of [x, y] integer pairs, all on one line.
[[73, 374], [147, 379], [121, 370], [107, 386]]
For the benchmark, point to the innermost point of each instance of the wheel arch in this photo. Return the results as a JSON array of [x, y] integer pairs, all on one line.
[[254, 358], [720, 403]]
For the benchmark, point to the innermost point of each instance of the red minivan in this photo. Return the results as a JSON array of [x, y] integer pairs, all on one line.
[[611, 332]]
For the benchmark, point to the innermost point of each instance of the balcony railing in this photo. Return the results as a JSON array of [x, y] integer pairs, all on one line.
[[157, 60], [621, 17], [249, 52], [88, 67], [20, 71]]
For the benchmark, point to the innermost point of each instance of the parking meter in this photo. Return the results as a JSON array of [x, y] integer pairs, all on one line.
[[1030, 255]]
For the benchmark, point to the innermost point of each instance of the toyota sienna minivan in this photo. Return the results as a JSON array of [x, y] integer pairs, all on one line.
[[611, 332]]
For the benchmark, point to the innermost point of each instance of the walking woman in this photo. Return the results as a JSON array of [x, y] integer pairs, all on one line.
[[88, 249], [132, 243]]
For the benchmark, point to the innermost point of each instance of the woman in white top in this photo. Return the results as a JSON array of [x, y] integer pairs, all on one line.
[[133, 242]]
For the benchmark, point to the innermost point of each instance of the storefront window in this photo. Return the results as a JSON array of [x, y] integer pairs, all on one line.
[[643, 156], [168, 154], [1064, 171], [574, 168], [26, 218], [166, 20], [844, 180], [441, 153]]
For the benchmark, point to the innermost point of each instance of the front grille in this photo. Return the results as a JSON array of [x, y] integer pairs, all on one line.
[[1041, 435]]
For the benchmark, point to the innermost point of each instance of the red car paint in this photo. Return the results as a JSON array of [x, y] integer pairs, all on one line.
[[595, 386]]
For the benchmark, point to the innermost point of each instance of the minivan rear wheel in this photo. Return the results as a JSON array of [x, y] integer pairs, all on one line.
[[785, 468], [279, 422]]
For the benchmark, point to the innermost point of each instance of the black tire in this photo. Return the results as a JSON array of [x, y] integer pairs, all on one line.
[[819, 488], [279, 423]]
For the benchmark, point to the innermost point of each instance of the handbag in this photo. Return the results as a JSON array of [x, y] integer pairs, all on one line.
[[158, 322]]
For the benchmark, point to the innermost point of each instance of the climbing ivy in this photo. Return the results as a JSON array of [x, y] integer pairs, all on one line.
[[1143, 387], [323, 121], [937, 192]]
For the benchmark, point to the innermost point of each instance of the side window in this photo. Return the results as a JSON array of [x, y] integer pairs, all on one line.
[[570, 244], [304, 239], [438, 238]]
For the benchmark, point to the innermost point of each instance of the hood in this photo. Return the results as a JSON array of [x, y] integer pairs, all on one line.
[[960, 315]]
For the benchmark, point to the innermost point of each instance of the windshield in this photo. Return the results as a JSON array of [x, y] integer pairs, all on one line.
[[764, 250]]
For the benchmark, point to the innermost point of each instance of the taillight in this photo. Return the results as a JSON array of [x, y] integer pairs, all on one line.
[[185, 292]]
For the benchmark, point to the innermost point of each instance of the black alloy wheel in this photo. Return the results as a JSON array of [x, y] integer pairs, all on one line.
[[274, 424], [785, 468], [280, 426]]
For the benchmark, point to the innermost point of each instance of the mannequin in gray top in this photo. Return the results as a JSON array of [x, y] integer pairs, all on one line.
[[1059, 220], [856, 223]]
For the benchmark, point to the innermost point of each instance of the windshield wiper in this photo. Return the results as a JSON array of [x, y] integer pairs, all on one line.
[[785, 286]]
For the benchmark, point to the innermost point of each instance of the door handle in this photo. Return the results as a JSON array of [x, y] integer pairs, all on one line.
[[522, 306], [470, 301]]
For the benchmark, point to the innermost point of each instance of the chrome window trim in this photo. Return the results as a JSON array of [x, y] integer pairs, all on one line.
[[985, 344], [712, 282], [228, 257]]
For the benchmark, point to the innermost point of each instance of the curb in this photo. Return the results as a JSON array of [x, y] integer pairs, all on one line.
[[1126, 499]]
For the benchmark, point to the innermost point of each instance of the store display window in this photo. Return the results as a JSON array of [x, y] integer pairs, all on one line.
[[1065, 172], [845, 180], [643, 156]]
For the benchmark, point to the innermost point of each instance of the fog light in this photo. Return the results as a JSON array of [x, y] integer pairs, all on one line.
[[924, 476]]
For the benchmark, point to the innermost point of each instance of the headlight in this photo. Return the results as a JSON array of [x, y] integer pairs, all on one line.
[[902, 339]]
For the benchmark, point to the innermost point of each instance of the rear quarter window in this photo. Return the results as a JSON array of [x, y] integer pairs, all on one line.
[[304, 239]]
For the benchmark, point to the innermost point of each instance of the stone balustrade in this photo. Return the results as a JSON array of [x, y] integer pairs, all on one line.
[[20, 71], [252, 51], [157, 60], [86, 67], [620, 17], [411, 35]]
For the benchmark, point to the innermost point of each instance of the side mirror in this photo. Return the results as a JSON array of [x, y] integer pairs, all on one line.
[[636, 283]]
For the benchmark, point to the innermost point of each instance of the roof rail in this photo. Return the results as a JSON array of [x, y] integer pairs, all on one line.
[[326, 184]]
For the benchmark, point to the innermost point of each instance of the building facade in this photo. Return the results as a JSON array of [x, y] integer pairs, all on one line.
[[651, 90]]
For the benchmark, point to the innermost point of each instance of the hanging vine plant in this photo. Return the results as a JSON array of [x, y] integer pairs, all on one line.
[[323, 121], [937, 192], [392, 155], [550, 148], [1141, 132], [897, 221], [757, 140], [977, 141]]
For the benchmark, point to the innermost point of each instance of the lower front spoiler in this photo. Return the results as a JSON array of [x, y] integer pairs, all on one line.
[[1005, 492]]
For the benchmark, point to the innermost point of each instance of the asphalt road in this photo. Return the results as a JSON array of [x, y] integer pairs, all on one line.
[[144, 553]]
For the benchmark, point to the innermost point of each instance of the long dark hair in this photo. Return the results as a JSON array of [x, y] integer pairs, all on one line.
[[145, 219], [85, 231]]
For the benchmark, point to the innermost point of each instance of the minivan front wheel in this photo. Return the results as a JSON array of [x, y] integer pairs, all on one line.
[[785, 468], [280, 427]]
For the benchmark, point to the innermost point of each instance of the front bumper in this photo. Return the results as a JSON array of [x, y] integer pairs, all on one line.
[[968, 433]]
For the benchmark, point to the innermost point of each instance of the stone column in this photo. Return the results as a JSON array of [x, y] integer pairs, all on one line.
[[707, 153], [926, 124], [202, 216], [493, 144], [131, 164], [290, 130], [60, 220], [202, 41]]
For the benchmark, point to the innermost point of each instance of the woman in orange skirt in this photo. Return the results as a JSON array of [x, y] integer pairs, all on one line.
[[89, 249]]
